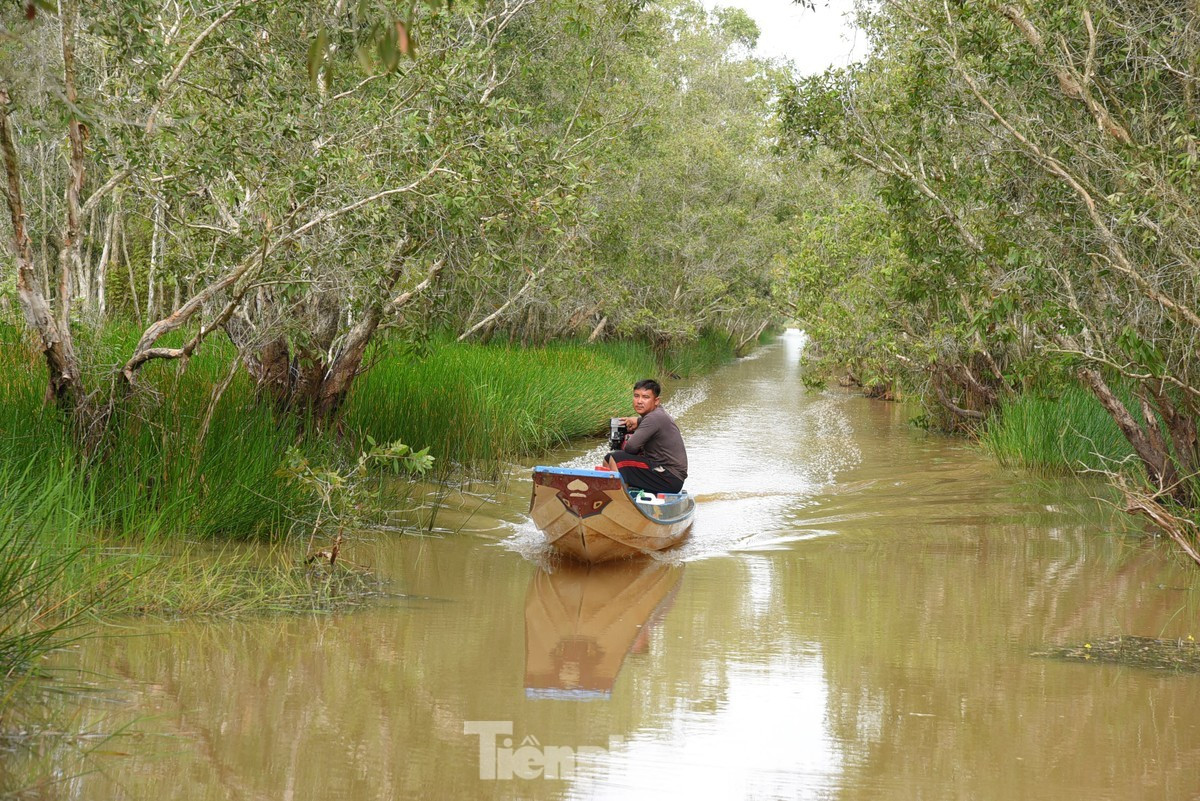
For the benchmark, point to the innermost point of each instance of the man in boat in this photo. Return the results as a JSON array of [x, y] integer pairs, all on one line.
[[653, 457]]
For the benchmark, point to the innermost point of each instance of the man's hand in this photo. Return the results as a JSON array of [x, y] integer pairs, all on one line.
[[631, 423]]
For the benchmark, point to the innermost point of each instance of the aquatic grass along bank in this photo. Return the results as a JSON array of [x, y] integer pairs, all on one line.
[[59, 564], [1070, 432], [180, 458], [475, 405], [35, 613], [1065, 431]]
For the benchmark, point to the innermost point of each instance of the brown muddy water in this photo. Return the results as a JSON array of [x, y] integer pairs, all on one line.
[[854, 617]]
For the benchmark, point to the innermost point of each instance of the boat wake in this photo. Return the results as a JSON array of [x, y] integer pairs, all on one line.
[[525, 540]]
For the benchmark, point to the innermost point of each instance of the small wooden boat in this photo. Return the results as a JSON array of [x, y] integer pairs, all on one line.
[[592, 516], [581, 621]]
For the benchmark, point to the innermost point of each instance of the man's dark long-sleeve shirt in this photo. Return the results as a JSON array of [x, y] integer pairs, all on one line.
[[658, 438]]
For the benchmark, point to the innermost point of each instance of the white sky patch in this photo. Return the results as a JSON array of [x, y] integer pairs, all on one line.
[[813, 40]]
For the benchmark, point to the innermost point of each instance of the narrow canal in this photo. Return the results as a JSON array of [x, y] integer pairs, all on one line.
[[854, 617]]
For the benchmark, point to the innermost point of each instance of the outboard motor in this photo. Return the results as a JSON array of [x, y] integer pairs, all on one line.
[[617, 432]]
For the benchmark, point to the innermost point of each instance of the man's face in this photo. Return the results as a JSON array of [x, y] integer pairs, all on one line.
[[644, 401]]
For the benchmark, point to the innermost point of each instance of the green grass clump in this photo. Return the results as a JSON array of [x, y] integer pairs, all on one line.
[[153, 474], [475, 405], [680, 360], [1066, 432], [35, 614]]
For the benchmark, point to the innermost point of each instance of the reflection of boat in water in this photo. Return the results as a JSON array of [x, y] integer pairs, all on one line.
[[582, 620], [592, 516]]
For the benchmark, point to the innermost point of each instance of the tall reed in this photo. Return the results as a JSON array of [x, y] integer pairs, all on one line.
[[154, 474], [475, 405], [35, 558], [1068, 431]]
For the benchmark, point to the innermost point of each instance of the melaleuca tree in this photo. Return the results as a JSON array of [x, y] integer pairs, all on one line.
[[692, 211], [1037, 162], [284, 171]]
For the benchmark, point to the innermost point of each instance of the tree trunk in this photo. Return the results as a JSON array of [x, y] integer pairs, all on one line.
[[1147, 442], [99, 286], [346, 366], [43, 266], [309, 366], [740, 350], [64, 385], [84, 284], [69, 258], [311, 381], [133, 295], [1182, 429], [156, 248], [948, 403], [274, 371], [533, 277]]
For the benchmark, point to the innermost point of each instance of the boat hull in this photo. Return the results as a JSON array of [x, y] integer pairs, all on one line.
[[589, 516]]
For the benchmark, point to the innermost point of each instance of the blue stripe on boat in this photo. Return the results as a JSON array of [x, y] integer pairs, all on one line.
[[569, 471]]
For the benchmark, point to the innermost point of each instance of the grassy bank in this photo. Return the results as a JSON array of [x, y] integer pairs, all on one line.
[[476, 404], [153, 474], [1061, 432], [153, 520], [161, 473]]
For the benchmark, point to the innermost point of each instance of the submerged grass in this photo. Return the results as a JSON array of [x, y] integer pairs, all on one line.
[[1068, 431], [203, 580]]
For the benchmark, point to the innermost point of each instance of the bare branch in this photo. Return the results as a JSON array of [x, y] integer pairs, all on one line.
[[145, 351], [401, 300], [1183, 531], [533, 277], [108, 186], [1072, 84], [349, 207], [164, 89], [970, 414], [356, 87]]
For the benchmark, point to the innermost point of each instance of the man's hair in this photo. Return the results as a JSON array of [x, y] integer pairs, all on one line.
[[650, 384]]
